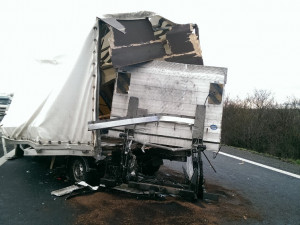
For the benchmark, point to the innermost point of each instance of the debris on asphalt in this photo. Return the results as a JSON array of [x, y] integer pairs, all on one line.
[[66, 190], [84, 184], [123, 208], [72, 188]]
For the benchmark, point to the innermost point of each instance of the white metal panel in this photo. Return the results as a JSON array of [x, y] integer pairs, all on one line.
[[155, 106], [216, 74], [175, 89], [116, 112], [165, 129], [187, 96], [170, 81], [163, 140], [119, 105]]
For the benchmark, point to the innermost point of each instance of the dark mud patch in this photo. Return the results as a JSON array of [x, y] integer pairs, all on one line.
[[120, 208]]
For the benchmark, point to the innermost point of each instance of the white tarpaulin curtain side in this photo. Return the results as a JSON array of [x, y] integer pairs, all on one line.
[[59, 112]]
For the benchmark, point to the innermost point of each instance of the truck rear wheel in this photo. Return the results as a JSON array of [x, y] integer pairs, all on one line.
[[150, 165], [78, 169], [19, 151]]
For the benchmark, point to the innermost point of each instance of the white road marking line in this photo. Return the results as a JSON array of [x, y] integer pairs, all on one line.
[[4, 158], [262, 165]]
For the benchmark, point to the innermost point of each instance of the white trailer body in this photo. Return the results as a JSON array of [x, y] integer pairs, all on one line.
[[55, 122]]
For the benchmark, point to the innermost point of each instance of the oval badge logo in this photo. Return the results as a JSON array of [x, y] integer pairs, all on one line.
[[213, 127]]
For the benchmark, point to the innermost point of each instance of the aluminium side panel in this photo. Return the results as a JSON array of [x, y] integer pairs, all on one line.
[[175, 89]]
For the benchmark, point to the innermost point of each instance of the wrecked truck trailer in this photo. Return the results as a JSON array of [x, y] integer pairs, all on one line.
[[138, 94]]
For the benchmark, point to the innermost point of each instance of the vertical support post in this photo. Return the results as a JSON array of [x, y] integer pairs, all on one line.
[[52, 162], [198, 147], [97, 102], [4, 145], [198, 130], [133, 105]]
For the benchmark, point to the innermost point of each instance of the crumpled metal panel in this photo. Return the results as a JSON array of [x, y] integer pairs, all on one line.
[[137, 32], [137, 45], [136, 54], [186, 59], [178, 39], [148, 37], [114, 23], [184, 45]]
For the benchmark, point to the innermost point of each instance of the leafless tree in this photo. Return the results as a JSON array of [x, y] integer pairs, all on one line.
[[260, 124]]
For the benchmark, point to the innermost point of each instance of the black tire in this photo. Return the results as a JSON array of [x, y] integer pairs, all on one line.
[[78, 170], [19, 152], [150, 170], [151, 165]]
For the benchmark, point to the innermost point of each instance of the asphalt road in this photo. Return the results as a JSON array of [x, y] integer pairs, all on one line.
[[276, 196], [25, 187], [26, 183]]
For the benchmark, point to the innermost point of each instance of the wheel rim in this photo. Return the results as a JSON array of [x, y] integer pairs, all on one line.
[[78, 171]]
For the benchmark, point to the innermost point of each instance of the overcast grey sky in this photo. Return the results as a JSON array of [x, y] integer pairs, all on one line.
[[257, 40]]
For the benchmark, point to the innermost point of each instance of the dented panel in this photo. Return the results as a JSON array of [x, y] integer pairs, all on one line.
[[137, 32], [136, 54], [186, 59], [178, 39], [133, 39]]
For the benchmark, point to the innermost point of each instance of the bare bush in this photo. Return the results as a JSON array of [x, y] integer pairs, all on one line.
[[260, 99], [259, 123]]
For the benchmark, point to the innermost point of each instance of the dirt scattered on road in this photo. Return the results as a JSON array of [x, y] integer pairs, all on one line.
[[120, 208]]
